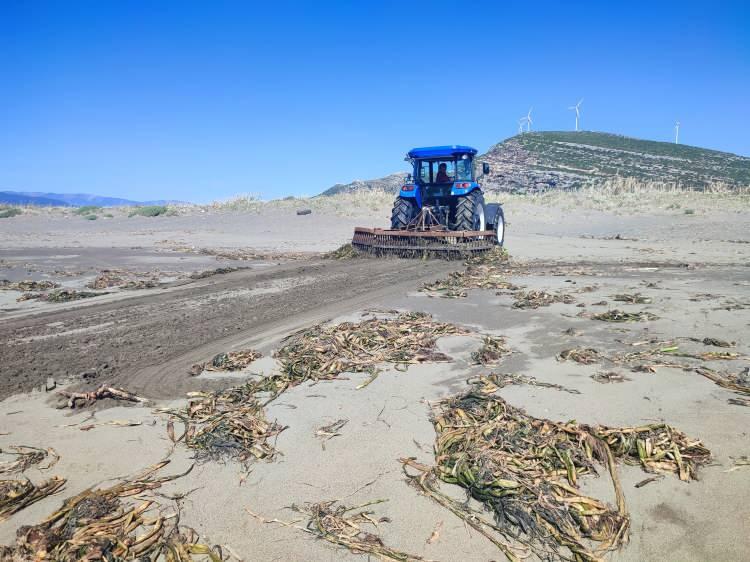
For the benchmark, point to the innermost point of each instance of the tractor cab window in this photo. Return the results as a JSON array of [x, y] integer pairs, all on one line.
[[425, 175], [463, 168], [437, 171]]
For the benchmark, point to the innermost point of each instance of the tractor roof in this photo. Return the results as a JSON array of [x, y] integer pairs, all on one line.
[[441, 151]]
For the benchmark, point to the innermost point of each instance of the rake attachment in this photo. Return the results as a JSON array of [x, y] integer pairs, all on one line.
[[445, 244]]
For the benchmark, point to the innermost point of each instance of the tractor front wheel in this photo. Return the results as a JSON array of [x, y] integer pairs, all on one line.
[[469, 213], [404, 210]]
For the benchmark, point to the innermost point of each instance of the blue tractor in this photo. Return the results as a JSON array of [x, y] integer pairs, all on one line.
[[440, 210], [444, 184]]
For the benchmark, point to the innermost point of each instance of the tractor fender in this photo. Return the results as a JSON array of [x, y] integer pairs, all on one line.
[[491, 212], [461, 191]]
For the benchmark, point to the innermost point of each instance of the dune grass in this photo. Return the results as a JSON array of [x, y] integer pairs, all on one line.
[[149, 211], [628, 196], [87, 210], [8, 212]]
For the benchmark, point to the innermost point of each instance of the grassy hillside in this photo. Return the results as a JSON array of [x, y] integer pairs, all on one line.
[[566, 159], [543, 161], [391, 183]]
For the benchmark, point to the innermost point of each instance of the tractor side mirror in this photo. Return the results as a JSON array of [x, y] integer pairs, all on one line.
[[485, 168]]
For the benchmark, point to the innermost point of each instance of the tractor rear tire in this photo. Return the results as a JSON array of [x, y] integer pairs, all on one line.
[[404, 210], [469, 213]]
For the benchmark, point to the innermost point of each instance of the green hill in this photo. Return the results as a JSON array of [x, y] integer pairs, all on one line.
[[534, 162], [566, 160]]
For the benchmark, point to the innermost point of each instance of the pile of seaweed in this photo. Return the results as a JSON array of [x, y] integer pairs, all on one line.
[[102, 524], [526, 470], [232, 423]]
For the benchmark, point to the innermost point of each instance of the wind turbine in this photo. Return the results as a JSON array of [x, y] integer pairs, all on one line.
[[520, 125], [677, 132], [528, 120], [577, 108]]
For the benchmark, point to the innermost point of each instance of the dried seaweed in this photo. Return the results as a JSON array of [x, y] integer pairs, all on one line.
[[212, 272], [27, 285], [525, 471], [102, 525], [494, 381], [621, 316], [634, 298], [739, 382], [104, 391], [536, 299], [26, 457], [484, 271], [233, 360], [324, 352], [585, 356], [344, 252], [230, 424], [332, 523], [609, 376], [59, 295], [344, 526], [492, 351], [716, 342], [17, 494], [328, 432]]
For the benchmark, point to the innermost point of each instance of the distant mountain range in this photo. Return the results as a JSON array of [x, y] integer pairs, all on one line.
[[534, 162], [70, 199]]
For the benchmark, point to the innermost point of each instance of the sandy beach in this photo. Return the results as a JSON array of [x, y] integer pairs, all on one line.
[[691, 270]]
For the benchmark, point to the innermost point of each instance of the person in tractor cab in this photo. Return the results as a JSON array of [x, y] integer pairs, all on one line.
[[442, 175]]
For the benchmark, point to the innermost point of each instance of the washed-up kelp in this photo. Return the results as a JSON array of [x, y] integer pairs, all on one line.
[[648, 360], [76, 399], [324, 352], [610, 376], [230, 424], [101, 525], [634, 298], [485, 271], [585, 356], [122, 279], [738, 382], [493, 349], [536, 299], [212, 272], [233, 360], [328, 432], [26, 457], [344, 252], [621, 316], [495, 381], [27, 285], [473, 277], [715, 342], [336, 525], [17, 494], [59, 295], [345, 526], [525, 471]]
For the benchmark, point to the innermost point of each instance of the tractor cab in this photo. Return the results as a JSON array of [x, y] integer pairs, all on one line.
[[440, 172]]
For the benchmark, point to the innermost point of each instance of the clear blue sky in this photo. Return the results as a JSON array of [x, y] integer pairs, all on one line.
[[203, 100]]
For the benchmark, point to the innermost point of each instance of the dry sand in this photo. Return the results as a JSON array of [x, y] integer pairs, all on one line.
[[676, 260]]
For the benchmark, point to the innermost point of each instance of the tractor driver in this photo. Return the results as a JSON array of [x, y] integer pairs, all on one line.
[[442, 175]]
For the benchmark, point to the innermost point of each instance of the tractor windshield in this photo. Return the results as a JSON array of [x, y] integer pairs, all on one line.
[[443, 170]]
